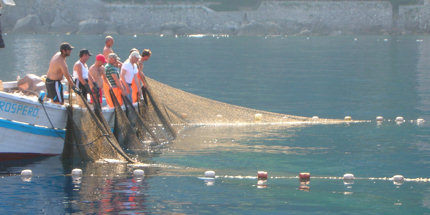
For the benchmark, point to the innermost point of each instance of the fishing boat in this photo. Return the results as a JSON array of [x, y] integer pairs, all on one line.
[[29, 128]]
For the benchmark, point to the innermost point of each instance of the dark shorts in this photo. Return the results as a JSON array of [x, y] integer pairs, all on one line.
[[81, 86], [55, 90]]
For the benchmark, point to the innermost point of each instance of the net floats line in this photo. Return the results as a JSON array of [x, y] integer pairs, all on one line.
[[348, 178]]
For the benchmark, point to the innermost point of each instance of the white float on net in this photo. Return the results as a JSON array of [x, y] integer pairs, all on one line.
[[348, 179], [138, 172], [210, 174], [399, 120], [76, 172], [26, 172]]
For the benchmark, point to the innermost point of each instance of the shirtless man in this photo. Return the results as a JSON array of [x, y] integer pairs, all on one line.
[[108, 46], [56, 72], [146, 54], [80, 73], [108, 49], [97, 71]]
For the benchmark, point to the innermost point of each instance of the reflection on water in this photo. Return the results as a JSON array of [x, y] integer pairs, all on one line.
[[108, 188], [202, 140]]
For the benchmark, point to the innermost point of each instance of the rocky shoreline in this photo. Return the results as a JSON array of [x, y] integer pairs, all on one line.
[[270, 18]]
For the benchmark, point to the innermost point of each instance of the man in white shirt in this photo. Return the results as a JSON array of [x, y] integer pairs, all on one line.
[[80, 73], [129, 73]]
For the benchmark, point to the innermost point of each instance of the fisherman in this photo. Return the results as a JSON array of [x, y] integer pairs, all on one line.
[[108, 46], [97, 71], [108, 49], [146, 54], [56, 72], [129, 73], [112, 81], [80, 73]]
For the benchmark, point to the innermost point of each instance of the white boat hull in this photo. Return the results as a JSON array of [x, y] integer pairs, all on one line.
[[26, 130]]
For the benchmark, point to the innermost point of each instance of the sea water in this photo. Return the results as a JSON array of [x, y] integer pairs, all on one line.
[[331, 77]]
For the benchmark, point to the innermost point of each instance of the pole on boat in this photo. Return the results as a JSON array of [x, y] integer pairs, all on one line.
[[1, 34]]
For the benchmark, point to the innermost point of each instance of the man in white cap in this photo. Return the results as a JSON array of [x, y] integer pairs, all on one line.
[[129, 73]]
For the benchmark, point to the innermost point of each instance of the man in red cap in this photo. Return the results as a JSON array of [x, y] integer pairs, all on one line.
[[97, 71]]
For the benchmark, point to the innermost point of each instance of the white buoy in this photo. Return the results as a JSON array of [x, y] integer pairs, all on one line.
[[210, 174], [348, 176], [379, 118], [26, 172], [355, 39], [258, 116], [138, 173], [76, 172], [315, 117], [399, 118], [348, 118], [420, 121], [398, 178]]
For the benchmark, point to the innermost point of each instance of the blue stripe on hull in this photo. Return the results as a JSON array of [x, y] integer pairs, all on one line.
[[32, 129]]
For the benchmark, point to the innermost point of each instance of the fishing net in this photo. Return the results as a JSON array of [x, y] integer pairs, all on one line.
[[144, 132], [154, 115], [123, 131], [180, 108], [93, 141]]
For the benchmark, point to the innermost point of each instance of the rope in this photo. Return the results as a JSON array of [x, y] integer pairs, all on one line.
[[50, 122]]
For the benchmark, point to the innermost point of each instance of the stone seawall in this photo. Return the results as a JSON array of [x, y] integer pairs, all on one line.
[[270, 18]]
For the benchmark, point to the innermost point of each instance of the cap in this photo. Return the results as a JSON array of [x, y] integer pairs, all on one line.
[[101, 58], [66, 46], [84, 51], [135, 54], [113, 55], [134, 49]]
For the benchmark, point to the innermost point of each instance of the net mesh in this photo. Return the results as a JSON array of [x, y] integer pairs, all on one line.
[[182, 108], [91, 136]]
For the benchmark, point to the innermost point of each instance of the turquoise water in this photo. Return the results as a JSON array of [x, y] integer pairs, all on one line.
[[325, 76]]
